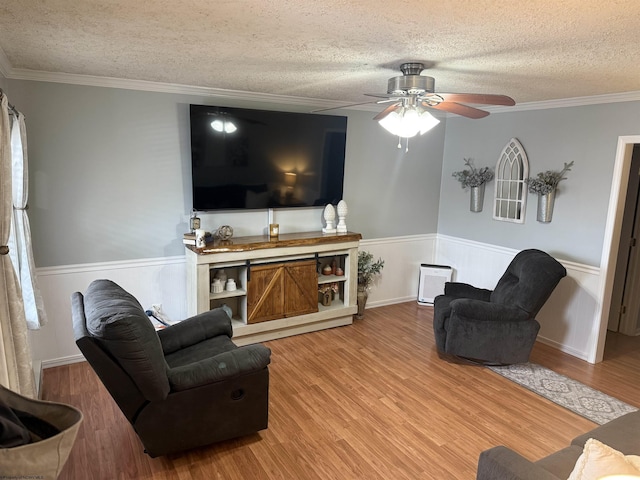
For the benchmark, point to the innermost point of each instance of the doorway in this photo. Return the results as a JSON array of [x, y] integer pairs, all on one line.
[[624, 314], [611, 244]]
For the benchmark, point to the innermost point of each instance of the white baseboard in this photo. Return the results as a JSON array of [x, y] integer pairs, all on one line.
[[58, 362], [563, 348], [392, 301]]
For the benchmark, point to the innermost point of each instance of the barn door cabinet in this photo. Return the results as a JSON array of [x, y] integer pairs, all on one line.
[[282, 290], [277, 283]]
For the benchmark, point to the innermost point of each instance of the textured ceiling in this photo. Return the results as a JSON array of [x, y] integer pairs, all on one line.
[[334, 49]]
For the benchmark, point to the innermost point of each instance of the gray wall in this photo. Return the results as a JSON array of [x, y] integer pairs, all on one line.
[[110, 175], [587, 135]]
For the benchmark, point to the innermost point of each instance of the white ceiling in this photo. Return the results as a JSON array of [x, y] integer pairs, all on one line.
[[332, 49]]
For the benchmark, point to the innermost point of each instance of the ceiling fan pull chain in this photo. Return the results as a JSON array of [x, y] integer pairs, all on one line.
[[406, 147]]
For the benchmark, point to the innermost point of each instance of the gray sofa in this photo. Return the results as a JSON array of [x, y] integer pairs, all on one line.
[[502, 463], [183, 387]]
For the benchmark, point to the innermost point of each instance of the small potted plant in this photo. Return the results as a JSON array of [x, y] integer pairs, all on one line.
[[367, 271], [544, 184], [475, 179]]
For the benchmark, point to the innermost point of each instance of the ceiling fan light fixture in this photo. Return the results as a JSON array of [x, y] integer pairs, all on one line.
[[391, 122], [427, 122], [408, 122]]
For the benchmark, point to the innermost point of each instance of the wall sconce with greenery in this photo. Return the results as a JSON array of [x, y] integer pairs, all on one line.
[[474, 179], [544, 185]]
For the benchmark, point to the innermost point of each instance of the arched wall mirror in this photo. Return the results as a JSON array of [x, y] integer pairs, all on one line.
[[512, 170]]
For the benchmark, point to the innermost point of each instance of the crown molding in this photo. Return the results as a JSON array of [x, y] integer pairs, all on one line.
[[570, 102], [5, 65], [159, 87], [174, 88]]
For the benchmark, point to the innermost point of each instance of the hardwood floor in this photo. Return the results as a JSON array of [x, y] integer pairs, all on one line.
[[367, 401]]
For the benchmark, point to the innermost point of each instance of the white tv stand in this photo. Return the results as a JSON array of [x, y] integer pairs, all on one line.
[[276, 280]]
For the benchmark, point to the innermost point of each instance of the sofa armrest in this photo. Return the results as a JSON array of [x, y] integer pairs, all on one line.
[[223, 366], [195, 330], [464, 290], [502, 463], [486, 311], [621, 434]]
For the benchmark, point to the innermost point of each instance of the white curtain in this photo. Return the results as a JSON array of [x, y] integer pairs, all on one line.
[[20, 248], [16, 371]]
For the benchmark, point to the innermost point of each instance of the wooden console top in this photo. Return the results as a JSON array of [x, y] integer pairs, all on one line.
[[259, 242]]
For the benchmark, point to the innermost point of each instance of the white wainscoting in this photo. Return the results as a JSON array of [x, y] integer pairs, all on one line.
[[568, 319], [151, 281], [402, 258], [163, 280]]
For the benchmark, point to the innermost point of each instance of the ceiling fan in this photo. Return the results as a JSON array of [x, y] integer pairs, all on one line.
[[412, 95], [412, 90]]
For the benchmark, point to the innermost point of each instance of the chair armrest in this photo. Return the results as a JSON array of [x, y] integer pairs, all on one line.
[[464, 290], [223, 366], [503, 463], [486, 311], [195, 330]]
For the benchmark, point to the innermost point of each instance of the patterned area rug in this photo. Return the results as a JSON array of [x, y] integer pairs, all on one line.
[[571, 394]]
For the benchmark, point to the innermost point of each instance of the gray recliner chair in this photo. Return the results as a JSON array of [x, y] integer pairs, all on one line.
[[182, 387], [497, 326]]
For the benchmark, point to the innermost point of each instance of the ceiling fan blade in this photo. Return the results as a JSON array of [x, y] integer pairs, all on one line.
[[459, 109], [381, 95], [387, 100], [386, 112], [478, 98]]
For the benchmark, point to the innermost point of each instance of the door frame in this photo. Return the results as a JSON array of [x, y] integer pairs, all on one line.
[[630, 222], [611, 243]]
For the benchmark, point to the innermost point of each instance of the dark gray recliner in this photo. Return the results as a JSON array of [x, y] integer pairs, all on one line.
[[182, 387], [499, 326]]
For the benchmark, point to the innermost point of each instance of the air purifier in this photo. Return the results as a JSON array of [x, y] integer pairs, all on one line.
[[431, 283]]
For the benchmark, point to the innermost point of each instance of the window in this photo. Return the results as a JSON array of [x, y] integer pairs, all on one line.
[[512, 170]]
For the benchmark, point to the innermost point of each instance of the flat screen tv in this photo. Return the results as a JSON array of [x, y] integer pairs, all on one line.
[[255, 159]]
